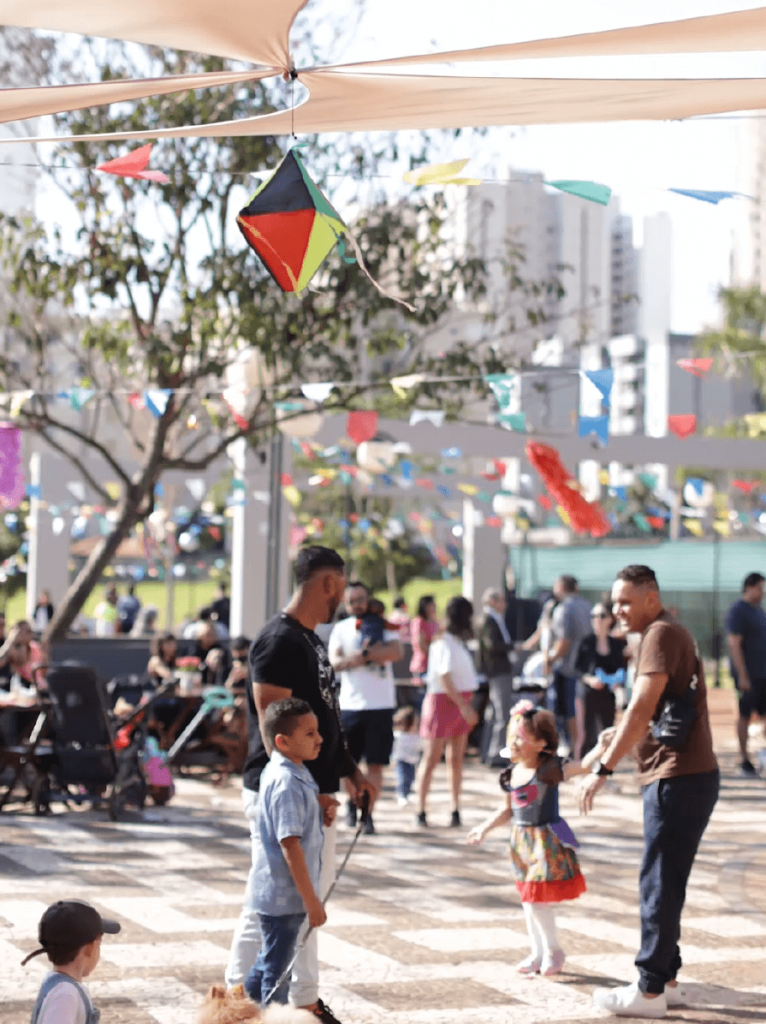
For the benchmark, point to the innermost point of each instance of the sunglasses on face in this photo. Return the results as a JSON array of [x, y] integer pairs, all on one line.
[[599, 615]]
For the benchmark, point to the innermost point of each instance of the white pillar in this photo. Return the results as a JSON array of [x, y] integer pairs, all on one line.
[[484, 558], [48, 555], [249, 526]]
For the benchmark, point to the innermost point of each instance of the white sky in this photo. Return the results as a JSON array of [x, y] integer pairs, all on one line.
[[638, 160]]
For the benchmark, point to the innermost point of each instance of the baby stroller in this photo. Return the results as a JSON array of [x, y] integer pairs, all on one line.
[[89, 764]]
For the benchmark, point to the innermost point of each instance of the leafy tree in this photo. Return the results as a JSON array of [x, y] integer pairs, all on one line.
[[154, 290], [739, 347]]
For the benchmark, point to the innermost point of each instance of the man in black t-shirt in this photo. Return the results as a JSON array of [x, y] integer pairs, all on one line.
[[288, 659]]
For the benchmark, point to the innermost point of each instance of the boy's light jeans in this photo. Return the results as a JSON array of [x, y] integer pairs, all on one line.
[[304, 987]]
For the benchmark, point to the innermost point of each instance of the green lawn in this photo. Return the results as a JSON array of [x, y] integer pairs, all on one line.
[[188, 597], [442, 590]]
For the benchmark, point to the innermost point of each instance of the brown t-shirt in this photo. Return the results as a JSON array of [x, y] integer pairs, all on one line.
[[667, 648]]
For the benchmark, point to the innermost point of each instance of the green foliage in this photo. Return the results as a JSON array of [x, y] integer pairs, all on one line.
[[743, 333]]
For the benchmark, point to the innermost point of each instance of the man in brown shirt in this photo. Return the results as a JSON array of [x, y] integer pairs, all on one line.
[[679, 785]]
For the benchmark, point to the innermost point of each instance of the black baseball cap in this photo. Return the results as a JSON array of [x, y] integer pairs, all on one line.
[[72, 923]]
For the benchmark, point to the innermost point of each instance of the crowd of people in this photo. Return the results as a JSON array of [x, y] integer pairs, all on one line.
[[309, 729]]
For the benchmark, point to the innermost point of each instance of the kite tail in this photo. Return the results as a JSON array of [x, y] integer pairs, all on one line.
[[371, 279]]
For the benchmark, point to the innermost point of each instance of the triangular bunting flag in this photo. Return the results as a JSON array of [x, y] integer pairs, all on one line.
[[156, 400], [77, 490], [703, 195], [756, 423], [682, 426], [694, 526], [434, 416], [319, 392], [361, 426], [598, 425], [698, 367], [516, 421], [649, 480], [79, 397], [18, 401], [402, 385], [723, 527], [503, 387], [134, 165], [590, 190], [746, 486], [642, 522], [197, 487], [603, 380]]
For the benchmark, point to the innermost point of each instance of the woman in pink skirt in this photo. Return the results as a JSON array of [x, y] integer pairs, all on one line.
[[447, 716]]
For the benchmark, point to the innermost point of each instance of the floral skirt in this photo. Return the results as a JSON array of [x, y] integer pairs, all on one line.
[[546, 871]]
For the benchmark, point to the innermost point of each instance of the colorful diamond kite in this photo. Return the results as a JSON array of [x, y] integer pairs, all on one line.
[[290, 225]]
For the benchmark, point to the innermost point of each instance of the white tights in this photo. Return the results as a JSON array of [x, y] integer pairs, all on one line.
[[541, 925]]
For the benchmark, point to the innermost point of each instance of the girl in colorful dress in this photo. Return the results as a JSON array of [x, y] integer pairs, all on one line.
[[542, 844]]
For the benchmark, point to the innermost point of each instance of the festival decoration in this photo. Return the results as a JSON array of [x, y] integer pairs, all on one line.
[[298, 419], [376, 456], [682, 426], [694, 526], [590, 190], [156, 401], [746, 486], [440, 174], [402, 385], [698, 493], [756, 423], [319, 392], [603, 380], [290, 225], [598, 425], [584, 517], [12, 487], [703, 195], [361, 425], [18, 401], [134, 165], [697, 367], [433, 416]]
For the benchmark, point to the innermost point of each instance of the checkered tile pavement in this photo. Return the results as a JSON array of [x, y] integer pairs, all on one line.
[[423, 928]]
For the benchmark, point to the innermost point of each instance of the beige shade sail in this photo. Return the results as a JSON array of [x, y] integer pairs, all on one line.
[[715, 33], [251, 30], [18, 104], [347, 102]]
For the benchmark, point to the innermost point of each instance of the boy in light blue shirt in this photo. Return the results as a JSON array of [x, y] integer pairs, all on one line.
[[289, 860]]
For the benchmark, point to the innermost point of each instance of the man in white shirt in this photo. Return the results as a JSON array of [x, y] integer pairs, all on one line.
[[367, 689]]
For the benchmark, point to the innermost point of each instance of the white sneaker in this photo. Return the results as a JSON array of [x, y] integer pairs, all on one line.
[[402, 801], [629, 1001], [676, 995]]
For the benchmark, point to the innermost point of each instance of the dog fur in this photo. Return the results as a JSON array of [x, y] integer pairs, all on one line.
[[233, 1006]]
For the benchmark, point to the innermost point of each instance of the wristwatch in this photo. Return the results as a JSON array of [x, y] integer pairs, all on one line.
[[599, 768]]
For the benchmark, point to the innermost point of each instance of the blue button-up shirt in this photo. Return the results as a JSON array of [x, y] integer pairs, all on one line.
[[287, 806]]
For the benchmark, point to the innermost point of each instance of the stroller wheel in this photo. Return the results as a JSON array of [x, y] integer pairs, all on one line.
[[160, 794]]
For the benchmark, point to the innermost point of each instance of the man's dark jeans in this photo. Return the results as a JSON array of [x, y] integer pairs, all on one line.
[[279, 937], [676, 813]]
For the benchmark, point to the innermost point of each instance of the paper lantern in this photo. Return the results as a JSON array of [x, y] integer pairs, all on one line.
[[294, 423], [376, 456]]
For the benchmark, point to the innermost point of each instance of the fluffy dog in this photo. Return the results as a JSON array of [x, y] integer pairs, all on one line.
[[232, 1006]]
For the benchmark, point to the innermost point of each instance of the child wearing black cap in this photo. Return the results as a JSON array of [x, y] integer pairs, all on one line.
[[69, 933]]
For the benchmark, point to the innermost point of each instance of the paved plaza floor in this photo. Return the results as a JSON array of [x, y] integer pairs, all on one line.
[[422, 928]]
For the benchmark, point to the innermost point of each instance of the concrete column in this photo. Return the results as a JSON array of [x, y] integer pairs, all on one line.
[[48, 556], [484, 557], [249, 529]]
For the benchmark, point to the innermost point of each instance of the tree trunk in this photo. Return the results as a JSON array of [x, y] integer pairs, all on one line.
[[90, 574]]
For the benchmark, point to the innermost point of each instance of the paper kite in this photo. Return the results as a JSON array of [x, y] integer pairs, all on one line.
[[290, 225]]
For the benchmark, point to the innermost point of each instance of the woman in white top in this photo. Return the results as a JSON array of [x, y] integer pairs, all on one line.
[[447, 716]]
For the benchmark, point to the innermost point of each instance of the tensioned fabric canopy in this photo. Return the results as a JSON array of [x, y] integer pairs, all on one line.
[[376, 95]]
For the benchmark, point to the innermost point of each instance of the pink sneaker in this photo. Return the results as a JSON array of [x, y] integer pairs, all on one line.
[[529, 966], [552, 962]]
